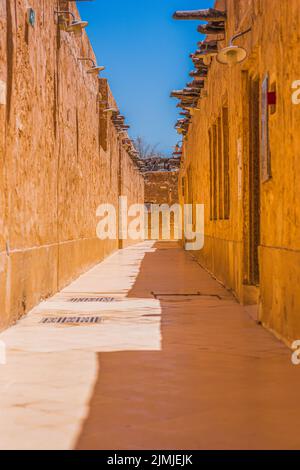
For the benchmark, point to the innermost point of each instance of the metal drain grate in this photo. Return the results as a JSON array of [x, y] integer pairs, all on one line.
[[71, 320], [156, 295], [90, 299]]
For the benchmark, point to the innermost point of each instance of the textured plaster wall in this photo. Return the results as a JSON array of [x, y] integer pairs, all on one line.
[[161, 187], [53, 170], [132, 187], [273, 47]]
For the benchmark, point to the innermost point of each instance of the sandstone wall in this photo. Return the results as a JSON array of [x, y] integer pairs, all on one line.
[[273, 47], [161, 187], [54, 167], [132, 188]]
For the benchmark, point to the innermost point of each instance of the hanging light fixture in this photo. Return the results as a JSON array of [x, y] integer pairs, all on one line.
[[111, 110], [232, 54], [95, 69], [76, 26]]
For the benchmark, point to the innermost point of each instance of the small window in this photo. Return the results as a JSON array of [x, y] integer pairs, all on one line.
[[273, 98], [103, 116], [219, 168], [183, 187], [225, 128], [215, 172], [211, 189]]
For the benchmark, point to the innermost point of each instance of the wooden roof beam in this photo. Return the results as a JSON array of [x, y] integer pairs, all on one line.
[[209, 14], [198, 73], [211, 28], [190, 93], [207, 45], [196, 84]]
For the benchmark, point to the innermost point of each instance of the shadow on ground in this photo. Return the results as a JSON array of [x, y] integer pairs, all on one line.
[[220, 381]]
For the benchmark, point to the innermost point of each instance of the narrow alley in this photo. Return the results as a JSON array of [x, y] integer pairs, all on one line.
[[150, 228], [174, 362]]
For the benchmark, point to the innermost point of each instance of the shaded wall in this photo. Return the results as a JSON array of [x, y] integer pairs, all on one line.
[[54, 167], [161, 187], [273, 47], [133, 189]]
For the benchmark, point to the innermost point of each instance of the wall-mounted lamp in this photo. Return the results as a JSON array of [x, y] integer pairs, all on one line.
[[111, 110], [95, 68], [232, 54], [76, 26]]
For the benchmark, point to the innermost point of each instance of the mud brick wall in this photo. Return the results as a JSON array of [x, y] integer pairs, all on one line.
[[132, 188], [273, 49], [54, 168], [161, 187]]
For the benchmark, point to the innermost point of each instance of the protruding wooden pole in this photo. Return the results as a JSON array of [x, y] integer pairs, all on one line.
[[186, 93], [211, 28], [207, 45], [209, 14], [190, 90], [199, 63], [196, 84], [198, 73]]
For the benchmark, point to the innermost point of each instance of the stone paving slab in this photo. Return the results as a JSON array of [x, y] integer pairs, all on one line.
[[174, 363], [51, 369]]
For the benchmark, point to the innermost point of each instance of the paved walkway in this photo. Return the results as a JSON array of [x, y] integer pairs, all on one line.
[[166, 360]]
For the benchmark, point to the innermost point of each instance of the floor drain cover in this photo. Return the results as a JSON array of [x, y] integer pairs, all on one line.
[[71, 320], [157, 295], [90, 299]]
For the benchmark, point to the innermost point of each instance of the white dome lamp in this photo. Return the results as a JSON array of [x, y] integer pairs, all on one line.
[[76, 26], [111, 110], [232, 54], [95, 69]]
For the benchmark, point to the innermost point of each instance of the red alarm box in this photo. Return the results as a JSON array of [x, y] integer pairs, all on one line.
[[272, 98]]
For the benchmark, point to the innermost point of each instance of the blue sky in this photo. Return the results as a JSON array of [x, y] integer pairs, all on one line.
[[146, 55]]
